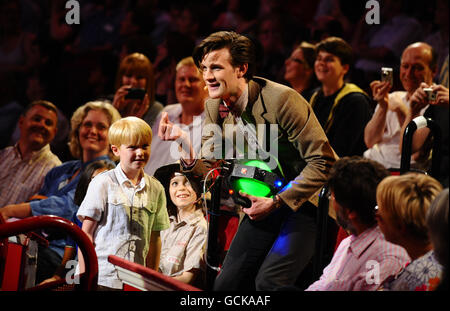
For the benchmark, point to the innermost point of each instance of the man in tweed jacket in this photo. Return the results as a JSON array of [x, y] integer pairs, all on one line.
[[260, 256]]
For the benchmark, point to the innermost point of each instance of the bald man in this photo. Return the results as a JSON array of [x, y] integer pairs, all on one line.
[[383, 133]]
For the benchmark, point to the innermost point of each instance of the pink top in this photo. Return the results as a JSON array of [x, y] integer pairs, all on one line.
[[361, 263]]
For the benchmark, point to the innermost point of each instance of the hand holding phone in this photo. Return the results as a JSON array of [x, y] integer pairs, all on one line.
[[135, 93]]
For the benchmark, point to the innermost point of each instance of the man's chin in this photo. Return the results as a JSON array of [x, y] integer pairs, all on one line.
[[38, 144]]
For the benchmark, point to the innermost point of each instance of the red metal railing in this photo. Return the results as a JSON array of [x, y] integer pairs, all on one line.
[[154, 280], [88, 280]]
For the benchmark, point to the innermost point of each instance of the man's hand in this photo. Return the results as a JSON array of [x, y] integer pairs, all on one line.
[[441, 95], [170, 132], [419, 99], [380, 92], [261, 207]]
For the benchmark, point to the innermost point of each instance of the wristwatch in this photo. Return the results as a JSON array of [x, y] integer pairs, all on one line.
[[277, 202]]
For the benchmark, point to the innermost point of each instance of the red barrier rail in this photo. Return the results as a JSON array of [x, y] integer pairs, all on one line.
[[88, 280], [145, 278]]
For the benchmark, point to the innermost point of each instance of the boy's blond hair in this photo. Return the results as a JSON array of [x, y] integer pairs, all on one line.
[[130, 131], [407, 199]]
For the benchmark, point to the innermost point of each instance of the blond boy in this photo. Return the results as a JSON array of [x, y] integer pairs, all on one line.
[[125, 209]]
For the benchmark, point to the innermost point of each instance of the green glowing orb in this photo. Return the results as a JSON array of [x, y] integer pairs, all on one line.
[[251, 186]]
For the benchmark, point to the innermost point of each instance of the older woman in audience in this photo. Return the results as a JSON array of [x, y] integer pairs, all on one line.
[[403, 202], [88, 143], [135, 89]]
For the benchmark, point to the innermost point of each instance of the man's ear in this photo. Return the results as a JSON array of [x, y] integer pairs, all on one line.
[[242, 70], [352, 215], [346, 68], [115, 150], [20, 122]]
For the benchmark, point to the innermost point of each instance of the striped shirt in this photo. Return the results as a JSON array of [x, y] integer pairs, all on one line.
[[20, 178], [362, 263]]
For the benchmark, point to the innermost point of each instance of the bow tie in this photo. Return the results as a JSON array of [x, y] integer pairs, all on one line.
[[223, 111]]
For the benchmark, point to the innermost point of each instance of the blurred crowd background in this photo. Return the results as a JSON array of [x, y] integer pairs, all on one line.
[[42, 57]]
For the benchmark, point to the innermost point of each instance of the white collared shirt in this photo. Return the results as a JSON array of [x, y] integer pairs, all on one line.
[[241, 103], [125, 215], [387, 151]]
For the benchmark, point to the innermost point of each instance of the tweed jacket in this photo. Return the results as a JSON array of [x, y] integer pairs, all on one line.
[[304, 152]]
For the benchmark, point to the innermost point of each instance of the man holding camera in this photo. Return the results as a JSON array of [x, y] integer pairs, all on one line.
[[383, 133], [436, 98]]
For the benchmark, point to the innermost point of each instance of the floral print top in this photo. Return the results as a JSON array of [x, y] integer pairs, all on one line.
[[422, 274]]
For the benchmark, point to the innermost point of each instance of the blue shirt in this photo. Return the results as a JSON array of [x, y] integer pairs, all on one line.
[[60, 193]]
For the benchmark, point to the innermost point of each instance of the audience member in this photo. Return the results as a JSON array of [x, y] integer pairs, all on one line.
[[99, 27], [382, 46], [437, 224], [136, 72], [174, 48], [10, 107], [271, 36], [443, 74], [343, 109], [124, 210], [352, 183], [299, 70], [182, 245], [36, 90], [403, 202], [382, 134], [438, 111], [86, 176], [239, 16], [23, 166], [88, 143], [194, 21], [17, 46], [337, 16], [189, 112], [439, 38]]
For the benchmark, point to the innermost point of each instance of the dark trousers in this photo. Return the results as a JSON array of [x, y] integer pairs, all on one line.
[[47, 262], [271, 253]]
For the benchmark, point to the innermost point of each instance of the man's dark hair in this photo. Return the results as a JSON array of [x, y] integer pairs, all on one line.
[[241, 49], [354, 180], [338, 47]]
